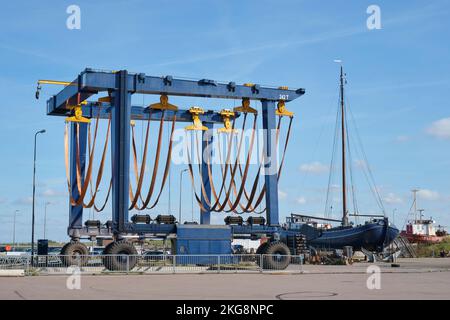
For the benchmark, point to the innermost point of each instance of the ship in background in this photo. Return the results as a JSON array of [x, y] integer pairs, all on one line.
[[375, 234], [421, 230]]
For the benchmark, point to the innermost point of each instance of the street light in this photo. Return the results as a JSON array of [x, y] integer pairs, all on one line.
[[45, 217], [14, 230], [181, 186], [34, 192]]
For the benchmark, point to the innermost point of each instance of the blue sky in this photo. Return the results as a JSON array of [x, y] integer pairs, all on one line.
[[397, 88]]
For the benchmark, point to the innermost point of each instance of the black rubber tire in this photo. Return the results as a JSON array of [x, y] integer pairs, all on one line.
[[114, 256], [74, 253], [277, 256], [262, 248]]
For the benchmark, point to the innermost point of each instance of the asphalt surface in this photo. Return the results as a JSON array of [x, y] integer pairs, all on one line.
[[414, 279]]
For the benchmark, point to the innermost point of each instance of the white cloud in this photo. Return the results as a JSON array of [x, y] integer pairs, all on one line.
[[3, 200], [281, 194], [440, 128], [51, 193], [402, 138], [429, 194], [24, 201], [360, 164], [301, 200], [392, 198], [314, 167]]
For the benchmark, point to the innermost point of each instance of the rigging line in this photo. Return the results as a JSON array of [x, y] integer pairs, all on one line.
[[376, 193], [305, 174], [350, 167], [366, 164], [409, 212], [328, 208], [331, 171], [372, 186]]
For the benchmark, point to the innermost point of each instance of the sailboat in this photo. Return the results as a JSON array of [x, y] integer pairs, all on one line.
[[375, 235]]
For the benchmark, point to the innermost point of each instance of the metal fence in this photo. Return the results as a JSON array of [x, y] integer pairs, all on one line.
[[152, 264]]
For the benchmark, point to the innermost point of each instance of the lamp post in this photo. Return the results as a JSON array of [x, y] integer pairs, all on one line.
[[181, 186], [14, 230], [45, 217], [34, 192]]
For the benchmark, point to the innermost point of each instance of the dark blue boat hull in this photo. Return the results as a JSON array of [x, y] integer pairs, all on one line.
[[373, 236]]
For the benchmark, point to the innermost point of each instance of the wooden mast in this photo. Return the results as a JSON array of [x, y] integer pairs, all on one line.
[[344, 183]]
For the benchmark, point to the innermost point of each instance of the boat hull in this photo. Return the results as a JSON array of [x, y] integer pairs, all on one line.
[[419, 238], [373, 236]]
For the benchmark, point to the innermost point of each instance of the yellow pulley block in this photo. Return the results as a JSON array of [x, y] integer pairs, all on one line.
[[132, 123], [197, 123], [245, 108], [78, 115], [164, 104], [106, 99], [282, 111], [226, 116]]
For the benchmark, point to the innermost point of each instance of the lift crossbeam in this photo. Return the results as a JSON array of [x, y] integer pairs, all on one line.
[[90, 82], [92, 109]]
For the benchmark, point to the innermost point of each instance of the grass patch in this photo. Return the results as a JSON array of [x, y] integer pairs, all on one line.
[[433, 250]]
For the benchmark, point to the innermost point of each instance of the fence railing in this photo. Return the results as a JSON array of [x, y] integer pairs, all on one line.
[[150, 264]]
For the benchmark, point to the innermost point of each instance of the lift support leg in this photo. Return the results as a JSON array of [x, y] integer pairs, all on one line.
[[120, 147], [270, 162], [76, 212]]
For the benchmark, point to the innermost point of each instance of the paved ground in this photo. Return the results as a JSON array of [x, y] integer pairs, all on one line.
[[415, 279]]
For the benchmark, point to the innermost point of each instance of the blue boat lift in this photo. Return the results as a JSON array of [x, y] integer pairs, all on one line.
[[120, 86]]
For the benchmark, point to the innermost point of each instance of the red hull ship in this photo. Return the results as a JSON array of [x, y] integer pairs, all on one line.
[[421, 230]]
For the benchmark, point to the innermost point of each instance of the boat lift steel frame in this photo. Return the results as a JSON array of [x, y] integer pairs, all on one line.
[[121, 85]]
